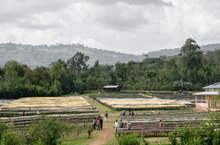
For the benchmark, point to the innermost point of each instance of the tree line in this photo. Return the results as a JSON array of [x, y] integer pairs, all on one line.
[[189, 70]]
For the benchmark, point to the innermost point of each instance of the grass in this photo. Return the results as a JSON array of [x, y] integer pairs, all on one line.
[[81, 140], [101, 107]]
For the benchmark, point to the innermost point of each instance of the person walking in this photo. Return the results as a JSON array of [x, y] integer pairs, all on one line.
[[101, 122], [123, 113], [106, 116], [161, 123], [94, 123], [116, 126], [98, 124], [121, 124]]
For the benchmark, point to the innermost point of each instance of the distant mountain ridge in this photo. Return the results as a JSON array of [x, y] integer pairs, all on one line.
[[171, 52], [43, 55]]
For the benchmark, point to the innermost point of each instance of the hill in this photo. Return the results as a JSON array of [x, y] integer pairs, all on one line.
[[43, 55], [171, 52]]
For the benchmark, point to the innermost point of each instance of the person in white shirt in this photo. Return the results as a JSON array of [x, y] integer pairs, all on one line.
[[38, 113], [129, 125], [116, 126]]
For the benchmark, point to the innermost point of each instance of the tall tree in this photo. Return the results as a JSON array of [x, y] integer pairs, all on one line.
[[77, 63], [192, 59]]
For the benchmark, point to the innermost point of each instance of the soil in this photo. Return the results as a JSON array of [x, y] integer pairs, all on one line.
[[105, 135]]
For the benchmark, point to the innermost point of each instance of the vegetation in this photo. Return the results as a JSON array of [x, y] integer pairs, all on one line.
[[45, 132], [190, 70], [206, 134], [131, 139]]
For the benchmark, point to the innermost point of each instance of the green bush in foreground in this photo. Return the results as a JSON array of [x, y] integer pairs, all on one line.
[[47, 131], [11, 138], [131, 139], [206, 134]]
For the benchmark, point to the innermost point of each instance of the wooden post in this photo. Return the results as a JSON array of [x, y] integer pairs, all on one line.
[[209, 102], [202, 99], [196, 99]]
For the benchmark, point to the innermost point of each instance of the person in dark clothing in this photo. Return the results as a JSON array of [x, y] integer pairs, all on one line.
[[121, 125], [129, 111], [98, 124], [94, 123], [123, 113], [101, 122], [106, 116]]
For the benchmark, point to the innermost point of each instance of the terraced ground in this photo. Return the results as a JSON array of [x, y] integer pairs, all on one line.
[[135, 101], [72, 108]]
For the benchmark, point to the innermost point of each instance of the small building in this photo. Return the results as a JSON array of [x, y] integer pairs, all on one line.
[[210, 98], [112, 88]]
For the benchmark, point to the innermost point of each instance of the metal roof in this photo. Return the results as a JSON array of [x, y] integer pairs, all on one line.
[[213, 86], [206, 93], [111, 87]]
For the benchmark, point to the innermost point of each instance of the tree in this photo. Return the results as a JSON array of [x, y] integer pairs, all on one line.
[[80, 86], [47, 131], [192, 60], [77, 63], [57, 70], [181, 85]]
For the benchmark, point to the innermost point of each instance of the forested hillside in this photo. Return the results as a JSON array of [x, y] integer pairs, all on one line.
[[176, 51], [43, 55], [190, 70]]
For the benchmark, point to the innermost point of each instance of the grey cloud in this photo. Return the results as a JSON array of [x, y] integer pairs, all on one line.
[[133, 2], [115, 20], [13, 10], [39, 26]]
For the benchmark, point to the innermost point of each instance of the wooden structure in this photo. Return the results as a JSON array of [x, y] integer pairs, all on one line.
[[210, 98], [112, 88]]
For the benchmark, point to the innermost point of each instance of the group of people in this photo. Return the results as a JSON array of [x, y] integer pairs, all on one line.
[[121, 125], [129, 111], [99, 122], [23, 113]]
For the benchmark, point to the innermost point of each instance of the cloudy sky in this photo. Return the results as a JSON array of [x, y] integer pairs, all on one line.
[[129, 26]]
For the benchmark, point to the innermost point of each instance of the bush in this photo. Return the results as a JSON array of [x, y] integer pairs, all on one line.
[[11, 138], [46, 132], [128, 140], [172, 138], [2, 128]]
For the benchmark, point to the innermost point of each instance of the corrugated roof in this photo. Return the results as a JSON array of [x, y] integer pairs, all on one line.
[[213, 86], [111, 87], [206, 93]]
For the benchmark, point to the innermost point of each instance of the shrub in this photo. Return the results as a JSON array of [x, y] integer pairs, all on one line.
[[172, 138], [128, 140], [11, 138]]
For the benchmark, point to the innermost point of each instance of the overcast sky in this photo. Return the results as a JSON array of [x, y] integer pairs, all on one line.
[[128, 26]]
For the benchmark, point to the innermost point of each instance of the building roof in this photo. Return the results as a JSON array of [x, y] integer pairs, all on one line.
[[213, 86], [111, 87], [206, 93]]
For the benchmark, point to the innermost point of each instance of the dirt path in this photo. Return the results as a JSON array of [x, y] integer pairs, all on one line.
[[105, 135]]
